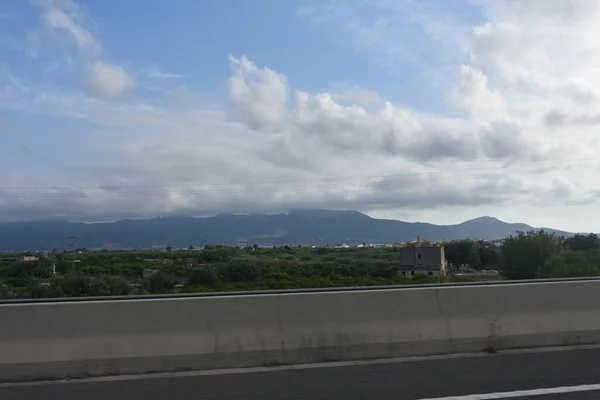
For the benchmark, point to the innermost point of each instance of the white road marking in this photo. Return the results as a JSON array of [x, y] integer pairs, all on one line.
[[523, 393]]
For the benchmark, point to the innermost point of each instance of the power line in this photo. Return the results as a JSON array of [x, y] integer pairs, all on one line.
[[353, 177], [433, 177]]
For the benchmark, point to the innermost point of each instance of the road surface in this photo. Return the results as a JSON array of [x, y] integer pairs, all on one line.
[[564, 373]]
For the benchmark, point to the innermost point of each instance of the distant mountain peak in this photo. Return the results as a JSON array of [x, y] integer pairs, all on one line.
[[326, 213], [485, 218], [297, 227]]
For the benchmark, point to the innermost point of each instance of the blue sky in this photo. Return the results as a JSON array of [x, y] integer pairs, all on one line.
[[194, 38], [207, 100]]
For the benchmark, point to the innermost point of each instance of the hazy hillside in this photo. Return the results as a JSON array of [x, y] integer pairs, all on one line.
[[296, 227]]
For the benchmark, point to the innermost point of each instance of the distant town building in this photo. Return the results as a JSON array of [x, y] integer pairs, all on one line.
[[422, 257], [18, 259]]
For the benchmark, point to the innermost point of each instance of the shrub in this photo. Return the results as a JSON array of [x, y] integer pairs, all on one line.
[[383, 271], [421, 278], [206, 276], [43, 292], [161, 282], [7, 292], [241, 270]]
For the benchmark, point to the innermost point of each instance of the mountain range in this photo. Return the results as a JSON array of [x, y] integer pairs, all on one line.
[[305, 227]]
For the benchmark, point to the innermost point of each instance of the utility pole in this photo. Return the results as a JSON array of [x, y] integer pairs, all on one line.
[[73, 240]]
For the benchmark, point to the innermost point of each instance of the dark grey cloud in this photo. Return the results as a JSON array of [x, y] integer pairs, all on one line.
[[417, 192], [430, 146], [555, 117], [504, 141], [558, 118]]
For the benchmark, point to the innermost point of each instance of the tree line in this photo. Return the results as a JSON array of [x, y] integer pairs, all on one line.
[[529, 255], [526, 255]]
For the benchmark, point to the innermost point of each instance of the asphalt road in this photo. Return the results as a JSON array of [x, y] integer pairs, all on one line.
[[425, 379]]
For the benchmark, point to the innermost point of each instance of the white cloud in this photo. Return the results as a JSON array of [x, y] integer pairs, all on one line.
[[158, 74], [260, 95], [107, 79], [66, 16], [474, 95], [357, 95], [529, 101], [101, 78]]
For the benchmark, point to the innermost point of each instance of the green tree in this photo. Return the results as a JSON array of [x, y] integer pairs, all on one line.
[[568, 264], [490, 257], [161, 282], [241, 270], [458, 252], [583, 242], [38, 291], [474, 259], [525, 254], [6, 292], [381, 270], [116, 286], [80, 285], [205, 276]]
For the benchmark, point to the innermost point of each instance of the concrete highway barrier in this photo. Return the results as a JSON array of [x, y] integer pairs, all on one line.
[[93, 338]]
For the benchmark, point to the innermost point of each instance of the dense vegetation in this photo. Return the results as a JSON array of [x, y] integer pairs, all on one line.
[[527, 255]]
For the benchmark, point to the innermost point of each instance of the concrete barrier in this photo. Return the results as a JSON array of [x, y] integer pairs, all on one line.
[[78, 339]]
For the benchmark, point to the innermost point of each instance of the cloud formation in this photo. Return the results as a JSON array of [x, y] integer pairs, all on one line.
[[67, 17], [107, 80], [158, 74], [56, 18], [519, 140], [101, 78], [259, 95]]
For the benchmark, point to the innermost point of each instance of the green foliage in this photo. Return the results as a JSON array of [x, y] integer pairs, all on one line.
[[477, 255], [490, 257], [26, 270], [161, 282], [79, 285], [7, 292], [241, 270], [458, 252], [116, 286], [583, 242], [523, 255], [205, 276], [569, 264], [474, 259], [38, 291], [18, 282], [218, 255], [222, 268], [125, 269], [381, 270], [421, 278]]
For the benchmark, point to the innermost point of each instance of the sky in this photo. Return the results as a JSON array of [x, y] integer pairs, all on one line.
[[419, 110]]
